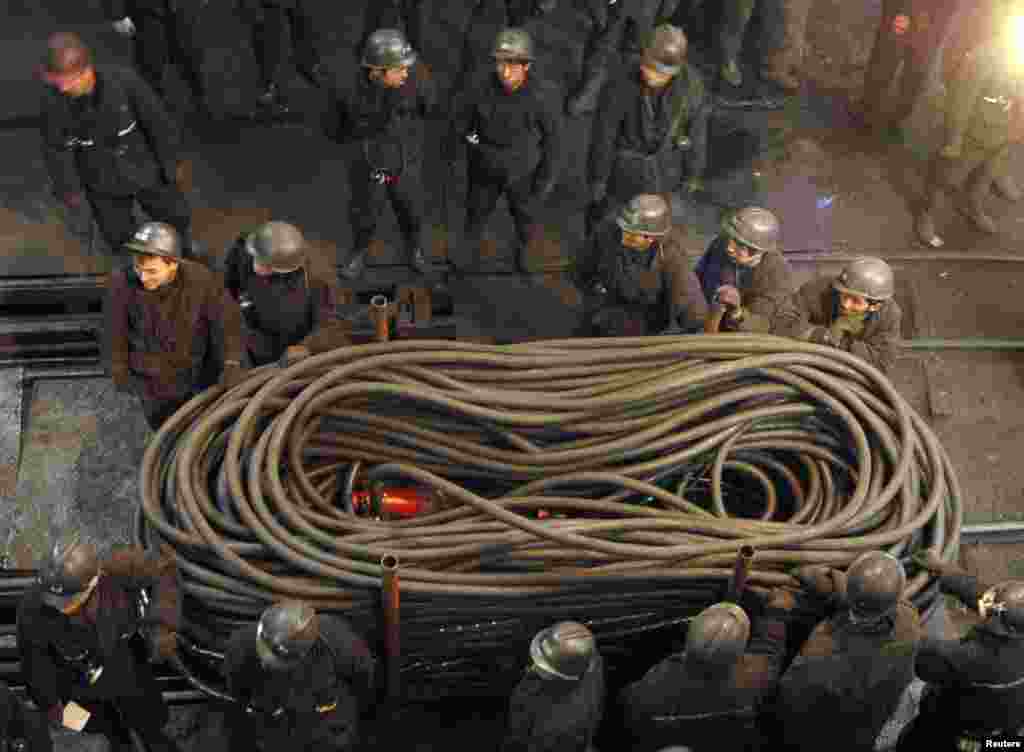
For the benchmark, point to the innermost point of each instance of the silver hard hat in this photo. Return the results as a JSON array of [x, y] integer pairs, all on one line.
[[68, 570], [754, 227], [514, 45], [279, 245], [718, 636], [564, 651], [286, 633], [646, 214], [867, 276], [388, 48], [156, 239], [874, 584]]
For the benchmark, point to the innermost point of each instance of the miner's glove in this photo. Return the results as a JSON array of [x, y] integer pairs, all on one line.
[[124, 27]]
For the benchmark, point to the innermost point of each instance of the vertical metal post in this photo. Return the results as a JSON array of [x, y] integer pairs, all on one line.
[[380, 314], [392, 633], [740, 572]]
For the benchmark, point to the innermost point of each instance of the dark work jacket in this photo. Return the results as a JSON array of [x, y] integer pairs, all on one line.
[[560, 40], [54, 648], [675, 703], [815, 305], [172, 341], [297, 308], [520, 133], [628, 126], [403, 15], [631, 22], [339, 669], [115, 10], [664, 291], [848, 679], [976, 683], [19, 724], [390, 124], [763, 289], [547, 715], [117, 165]]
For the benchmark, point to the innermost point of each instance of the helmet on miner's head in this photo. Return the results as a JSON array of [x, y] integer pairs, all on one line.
[[286, 633], [666, 50], [279, 245], [388, 48], [1002, 607], [156, 239], [646, 214], [513, 45], [69, 573], [874, 583], [717, 637], [756, 228], [563, 651], [868, 277]]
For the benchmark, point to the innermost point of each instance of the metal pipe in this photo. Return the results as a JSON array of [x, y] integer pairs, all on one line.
[[379, 315], [993, 532], [392, 632], [741, 572]]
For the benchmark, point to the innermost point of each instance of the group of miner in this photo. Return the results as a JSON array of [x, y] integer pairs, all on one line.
[[832, 663], [764, 669]]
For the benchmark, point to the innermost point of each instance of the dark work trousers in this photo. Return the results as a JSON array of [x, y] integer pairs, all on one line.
[[370, 197], [268, 40], [974, 172], [485, 188], [160, 40], [163, 202], [914, 48], [146, 715]]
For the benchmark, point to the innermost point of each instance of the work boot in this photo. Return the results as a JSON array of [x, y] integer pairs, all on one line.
[[731, 73], [418, 260], [777, 70], [925, 227], [353, 269], [1007, 187], [976, 208]]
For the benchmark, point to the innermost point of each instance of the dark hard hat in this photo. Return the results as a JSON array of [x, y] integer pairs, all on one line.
[[156, 239], [67, 571], [388, 48], [874, 584], [1003, 608], [563, 651], [66, 55], [718, 636], [754, 227], [666, 50], [279, 245], [286, 633], [647, 214], [868, 277], [514, 45]]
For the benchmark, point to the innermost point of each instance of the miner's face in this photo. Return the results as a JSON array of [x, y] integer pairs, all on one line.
[[512, 73]]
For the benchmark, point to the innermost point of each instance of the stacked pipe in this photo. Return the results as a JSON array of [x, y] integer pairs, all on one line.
[[609, 481]]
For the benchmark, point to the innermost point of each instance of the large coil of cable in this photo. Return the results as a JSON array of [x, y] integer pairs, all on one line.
[[610, 481]]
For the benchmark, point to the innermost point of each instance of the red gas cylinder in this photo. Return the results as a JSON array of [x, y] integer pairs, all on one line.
[[402, 502]]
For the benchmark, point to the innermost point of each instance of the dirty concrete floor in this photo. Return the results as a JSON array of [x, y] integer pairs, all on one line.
[[833, 188]]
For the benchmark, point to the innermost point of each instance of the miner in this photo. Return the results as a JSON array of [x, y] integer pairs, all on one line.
[[644, 281], [784, 46], [851, 673], [909, 34], [974, 685], [84, 633], [108, 139], [512, 124], [270, 20], [709, 696], [744, 270], [288, 309], [173, 331], [984, 97], [650, 128], [558, 704], [854, 312], [163, 33], [21, 729], [774, 67], [387, 116], [300, 679]]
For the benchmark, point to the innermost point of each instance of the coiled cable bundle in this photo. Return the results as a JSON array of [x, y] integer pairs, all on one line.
[[611, 481]]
